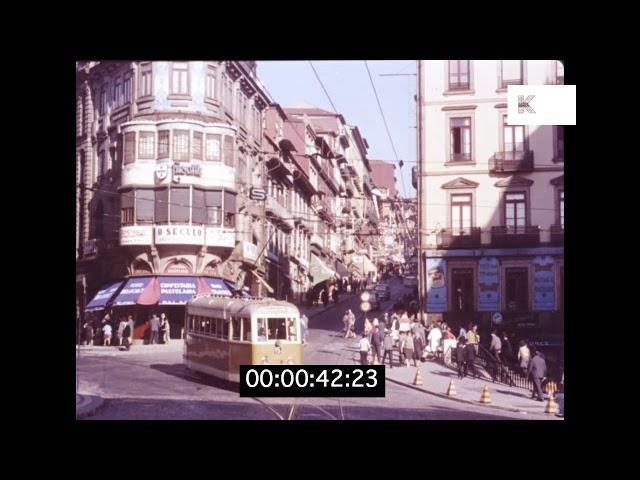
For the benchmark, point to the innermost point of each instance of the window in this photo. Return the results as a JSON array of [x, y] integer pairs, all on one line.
[[198, 214], [517, 289], [180, 78], [117, 91], [102, 164], [459, 75], [162, 205], [559, 73], [144, 206], [213, 203], [126, 207], [228, 151], [127, 87], [181, 145], [99, 223], [230, 95], [145, 84], [559, 143], [235, 329], [103, 100], [180, 205], [461, 221], [210, 83], [561, 208], [246, 329], [146, 141], [163, 144], [197, 145], [515, 212], [511, 72], [229, 209], [129, 147], [460, 129], [513, 139], [212, 147], [462, 282]]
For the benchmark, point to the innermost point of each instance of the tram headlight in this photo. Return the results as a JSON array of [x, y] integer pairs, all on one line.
[[290, 361], [265, 360]]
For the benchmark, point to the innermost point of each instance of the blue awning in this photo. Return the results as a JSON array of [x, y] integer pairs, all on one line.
[[103, 296], [173, 290], [131, 291], [219, 286]]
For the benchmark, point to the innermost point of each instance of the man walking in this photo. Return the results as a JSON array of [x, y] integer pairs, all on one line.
[[154, 324], [496, 344], [364, 349], [388, 348], [537, 372]]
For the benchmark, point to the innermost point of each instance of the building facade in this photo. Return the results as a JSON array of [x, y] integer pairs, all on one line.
[[167, 154], [491, 198]]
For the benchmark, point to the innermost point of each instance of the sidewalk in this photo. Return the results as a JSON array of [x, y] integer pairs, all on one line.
[[436, 378]]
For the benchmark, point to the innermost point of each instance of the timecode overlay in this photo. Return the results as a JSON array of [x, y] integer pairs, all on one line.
[[312, 381]]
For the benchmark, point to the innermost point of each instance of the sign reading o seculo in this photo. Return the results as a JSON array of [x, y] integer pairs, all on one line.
[[176, 234]]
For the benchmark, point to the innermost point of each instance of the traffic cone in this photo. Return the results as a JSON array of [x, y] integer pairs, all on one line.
[[485, 398], [418, 379], [552, 406], [452, 388]]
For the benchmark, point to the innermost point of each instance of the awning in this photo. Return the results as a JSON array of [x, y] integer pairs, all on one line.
[[341, 270], [168, 290], [103, 297], [362, 265], [319, 271]]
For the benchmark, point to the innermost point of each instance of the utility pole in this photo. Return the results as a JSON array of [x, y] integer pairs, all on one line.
[[421, 200]]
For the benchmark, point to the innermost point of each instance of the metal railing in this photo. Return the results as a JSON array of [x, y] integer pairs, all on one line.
[[511, 161], [503, 372]]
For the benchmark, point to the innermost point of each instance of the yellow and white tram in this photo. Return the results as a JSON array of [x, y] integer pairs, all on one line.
[[223, 333]]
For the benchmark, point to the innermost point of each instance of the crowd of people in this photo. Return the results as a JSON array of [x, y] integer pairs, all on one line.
[[119, 333]]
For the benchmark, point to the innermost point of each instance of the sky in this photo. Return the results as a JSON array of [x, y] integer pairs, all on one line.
[[350, 90]]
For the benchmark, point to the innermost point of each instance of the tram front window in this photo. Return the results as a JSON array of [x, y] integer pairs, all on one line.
[[273, 329]]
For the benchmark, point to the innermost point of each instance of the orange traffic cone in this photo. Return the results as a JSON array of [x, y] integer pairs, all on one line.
[[552, 406], [418, 379], [485, 398], [452, 389]]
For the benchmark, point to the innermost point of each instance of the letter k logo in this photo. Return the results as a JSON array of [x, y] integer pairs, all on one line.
[[524, 104]]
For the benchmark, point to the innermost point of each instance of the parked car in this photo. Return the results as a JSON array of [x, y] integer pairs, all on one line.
[[382, 291]]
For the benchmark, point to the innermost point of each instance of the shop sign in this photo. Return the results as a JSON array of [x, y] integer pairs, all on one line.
[[179, 235], [488, 284], [136, 235], [219, 237], [543, 284], [436, 285]]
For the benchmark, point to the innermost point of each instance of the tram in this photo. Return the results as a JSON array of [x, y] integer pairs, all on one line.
[[222, 333]]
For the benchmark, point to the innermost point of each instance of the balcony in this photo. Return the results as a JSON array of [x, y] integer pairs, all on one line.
[[301, 219], [459, 158], [273, 207], [515, 237], [278, 167], [457, 238], [507, 162], [557, 235], [324, 210]]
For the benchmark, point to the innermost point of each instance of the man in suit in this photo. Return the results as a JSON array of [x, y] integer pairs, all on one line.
[[537, 372]]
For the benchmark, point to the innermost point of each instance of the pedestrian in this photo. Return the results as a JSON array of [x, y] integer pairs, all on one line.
[[418, 339], [407, 348], [395, 329], [524, 356], [462, 333], [335, 295], [377, 344], [106, 330], [507, 349], [121, 325], [325, 298], [470, 359], [126, 335], [473, 337], [434, 338], [345, 321], [496, 344], [88, 333], [165, 328], [461, 357], [367, 328], [537, 373], [131, 324], [449, 344], [154, 325], [364, 350], [304, 326], [388, 348]]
